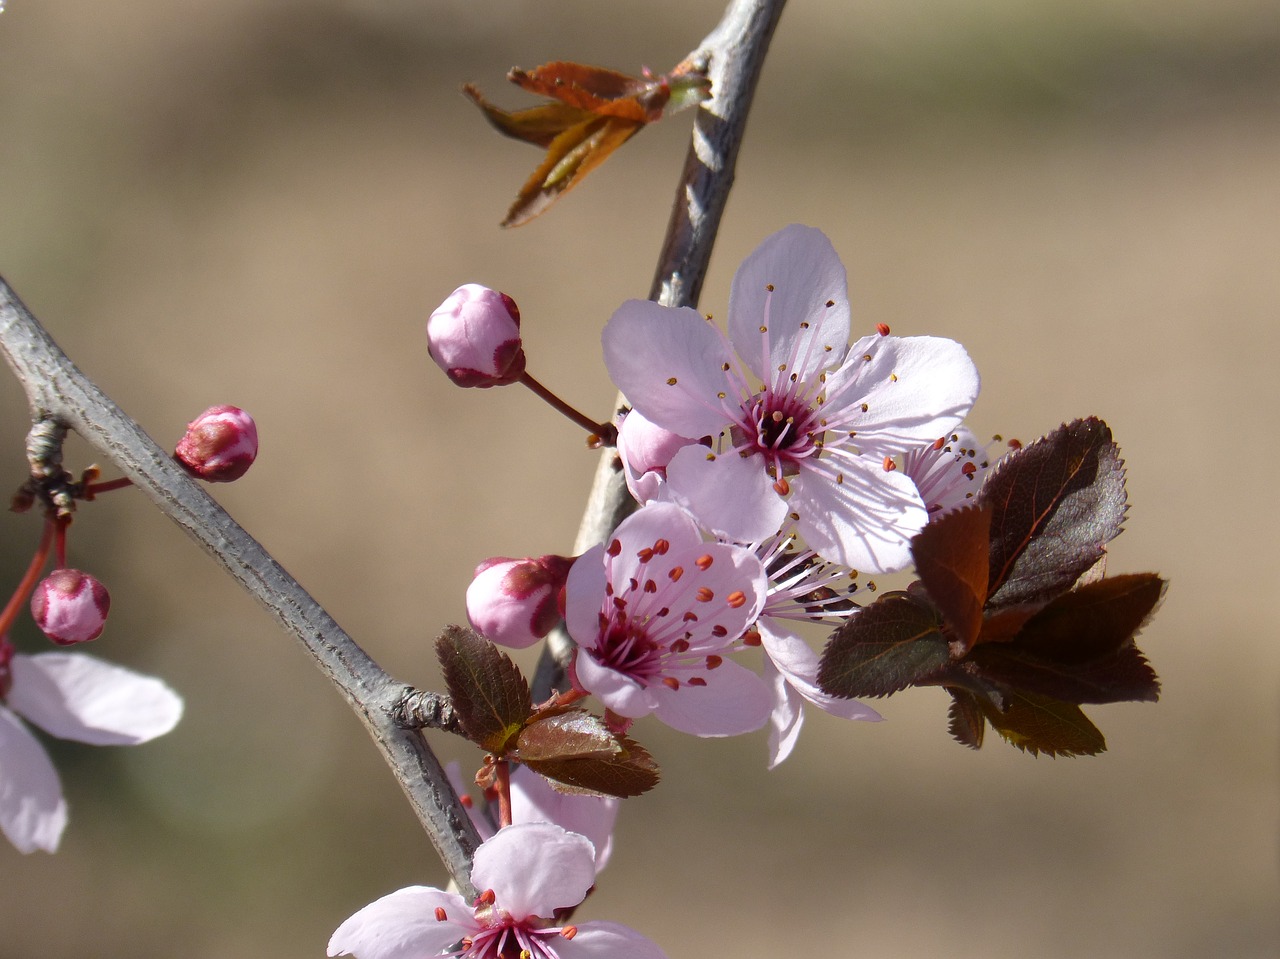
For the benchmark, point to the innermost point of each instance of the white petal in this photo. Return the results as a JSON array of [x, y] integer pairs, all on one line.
[[403, 925], [735, 700], [646, 526], [534, 800], [535, 869], [787, 716], [74, 696], [647, 346], [32, 810], [917, 389], [608, 940], [584, 596], [797, 663], [806, 274], [865, 522], [730, 495]]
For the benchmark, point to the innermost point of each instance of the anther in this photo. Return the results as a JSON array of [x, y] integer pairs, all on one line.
[[830, 303], [441, 915], [782, 487], [486, 898], [704, 595], [769, 287], [893, 377], [661, 546], [865, 407], [674, 573], [569, 931], [680, 646], [704, 562], [882, 329], [671, 381], [737, 599], [670, 682], [889, 464], [615, 548], [751, 638], [714, 661], [939, 442], [696, 681], [718, 631]]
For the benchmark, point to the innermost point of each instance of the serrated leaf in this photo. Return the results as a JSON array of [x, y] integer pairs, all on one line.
[[1055, 505], [575, 734], [488, 691], [1122, 676], [1040, 724], [884, 647], [951, 558], [1093, 620], [967, 724], [629, 772]]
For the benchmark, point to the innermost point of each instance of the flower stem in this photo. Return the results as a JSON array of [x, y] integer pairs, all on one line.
[[29, 578], [94, 489], [602, 434]]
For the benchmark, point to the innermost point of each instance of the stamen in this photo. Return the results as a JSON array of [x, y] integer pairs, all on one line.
[[441, 915], [713, 661], [671, 381], [704, 562], [675, 573], [569, 931], [882, 329], [670, 682], [889, 464], [737, 599], [704, 595]]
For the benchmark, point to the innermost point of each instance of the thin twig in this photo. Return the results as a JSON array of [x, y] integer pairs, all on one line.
[[733, 55], [59, 393]]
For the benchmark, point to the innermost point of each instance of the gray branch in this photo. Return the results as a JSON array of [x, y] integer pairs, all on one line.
[[61, 397], [733, 55]]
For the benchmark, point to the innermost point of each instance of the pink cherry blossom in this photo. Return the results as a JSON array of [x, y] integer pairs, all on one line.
[[804, 424], [527, 873], [71, 696], [70, 606], [474, 336], [655, 614]]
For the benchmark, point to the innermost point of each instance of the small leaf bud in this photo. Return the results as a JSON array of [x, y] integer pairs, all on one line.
[[70, 606], [220, 444], [474, 336], [516, 602]]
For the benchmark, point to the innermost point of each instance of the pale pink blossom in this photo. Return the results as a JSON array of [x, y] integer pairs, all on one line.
[[70, 606], [803, 423], [526, 873], [655, 614], [71, 696]]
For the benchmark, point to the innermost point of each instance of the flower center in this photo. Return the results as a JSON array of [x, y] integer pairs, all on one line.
[[786, 429], [627, 648]]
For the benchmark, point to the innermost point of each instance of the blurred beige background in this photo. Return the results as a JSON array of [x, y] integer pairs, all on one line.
[[259, 203]]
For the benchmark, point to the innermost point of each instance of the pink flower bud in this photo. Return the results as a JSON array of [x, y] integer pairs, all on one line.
[[220, 444], [516, 602], [474, 336], [70, 606], [645, 449]]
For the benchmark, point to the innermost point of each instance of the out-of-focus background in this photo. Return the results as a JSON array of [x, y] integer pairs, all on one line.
[[260, 202]]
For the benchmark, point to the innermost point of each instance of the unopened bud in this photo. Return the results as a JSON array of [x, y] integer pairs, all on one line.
[[220, 444], [516, 602], [70, 606], [645, 449], [474, 336]]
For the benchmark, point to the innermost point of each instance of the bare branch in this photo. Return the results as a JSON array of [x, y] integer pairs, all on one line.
[[733, 55], [59, 394]]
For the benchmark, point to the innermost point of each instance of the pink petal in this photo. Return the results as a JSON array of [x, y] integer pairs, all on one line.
[[75, 696], [643, 528], [534, 800], [646, 346], [32, 810], [797, 663], [403, 925], [735, 700], [623, 695], [805, 272], [535, 869], [787, 716], [865, 522], [583, 596], [917, 389], [729, 495], [608, 940]]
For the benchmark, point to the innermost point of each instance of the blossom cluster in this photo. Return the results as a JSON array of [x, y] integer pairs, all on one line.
[[771, 466]]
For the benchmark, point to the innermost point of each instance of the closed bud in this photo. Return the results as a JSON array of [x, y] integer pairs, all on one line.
[[474, 336], [220, 444], [70, 606], [516, 602]]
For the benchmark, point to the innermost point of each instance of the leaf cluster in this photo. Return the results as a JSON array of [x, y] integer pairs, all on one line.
[[1011, 613], [576, 751]]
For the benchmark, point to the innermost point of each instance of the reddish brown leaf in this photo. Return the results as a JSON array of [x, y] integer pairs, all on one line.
[[951, 558], [1039, 724], [488, 691], [537, 125], [629, 772], [597, 90], [892, 644], [1094, 620], [575, 734], [967, 724], [1054, 506]]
